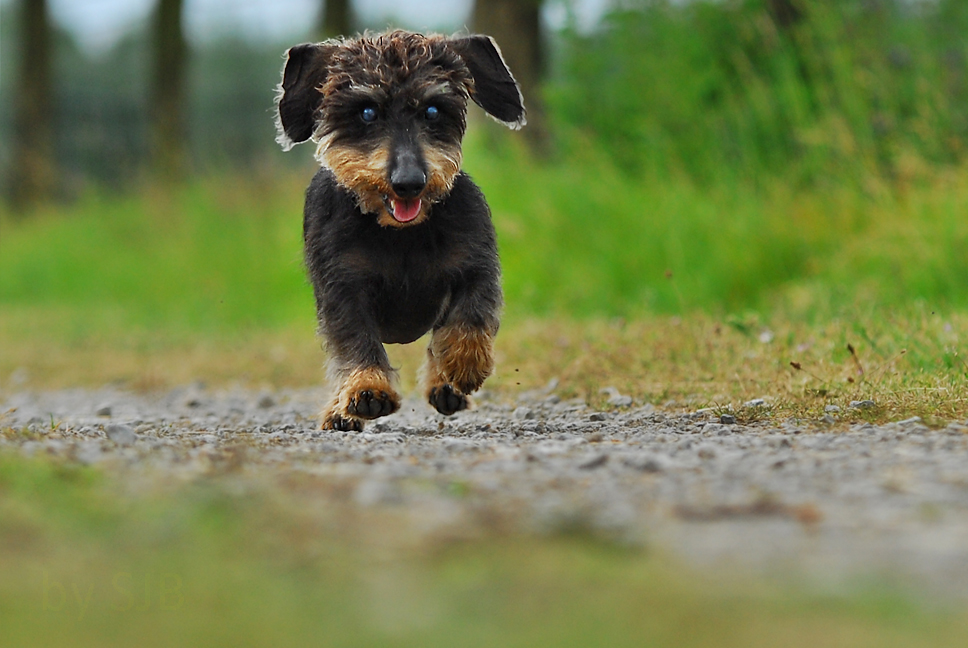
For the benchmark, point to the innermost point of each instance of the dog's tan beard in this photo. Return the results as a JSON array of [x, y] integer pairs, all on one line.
[[364, 173]]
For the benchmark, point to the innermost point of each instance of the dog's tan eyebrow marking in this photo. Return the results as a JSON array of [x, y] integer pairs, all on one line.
[[437, 90], [373, 92]]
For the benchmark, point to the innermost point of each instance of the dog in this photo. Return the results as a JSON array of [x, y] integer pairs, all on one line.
[[398, 239]]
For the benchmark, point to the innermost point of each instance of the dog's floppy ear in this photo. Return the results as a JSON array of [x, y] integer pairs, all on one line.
[[298, 95], [495, 89]]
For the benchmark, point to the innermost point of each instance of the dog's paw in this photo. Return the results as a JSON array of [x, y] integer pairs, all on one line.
[[367, 404], [333, 421], [447, 400], [367, 394]]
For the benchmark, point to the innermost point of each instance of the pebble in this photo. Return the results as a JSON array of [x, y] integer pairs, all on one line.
[[647, 463], [620, 400], [123, 435], [727, 419], [595, 462], [756, 402], [716, 429], [104, 410], [861, 404], [597, 416], [616, 398], [523, 413], [832, 409]]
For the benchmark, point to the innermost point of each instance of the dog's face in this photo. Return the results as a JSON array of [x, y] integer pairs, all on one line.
[[388, 113]]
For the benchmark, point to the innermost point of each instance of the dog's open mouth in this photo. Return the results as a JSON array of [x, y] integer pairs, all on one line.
[[403, 210]]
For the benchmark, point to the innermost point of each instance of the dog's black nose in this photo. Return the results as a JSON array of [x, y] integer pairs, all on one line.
[[408, 181]]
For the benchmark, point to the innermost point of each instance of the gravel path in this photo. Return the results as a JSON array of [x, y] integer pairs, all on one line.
[[828, 505]]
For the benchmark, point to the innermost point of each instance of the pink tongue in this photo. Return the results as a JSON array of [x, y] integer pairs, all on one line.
[[405, 210]]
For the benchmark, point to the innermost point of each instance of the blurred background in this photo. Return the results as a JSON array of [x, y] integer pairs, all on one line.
[[794, 156], [101, 91], [107, 90], [713, 201]]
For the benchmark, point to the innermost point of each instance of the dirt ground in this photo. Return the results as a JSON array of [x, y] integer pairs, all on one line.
[[828, 504]]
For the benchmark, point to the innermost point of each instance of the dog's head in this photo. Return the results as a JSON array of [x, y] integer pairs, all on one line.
[[388, 113]]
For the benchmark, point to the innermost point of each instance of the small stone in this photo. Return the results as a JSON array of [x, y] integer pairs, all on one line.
[[615, 397], [523, 413], [707, 452], [121, 434], [597, 416], [727, 419], [911, 421], [595, 462], [828, 419], [266, 402], [620, 400], [647, 463], [861, 404], [756, 402], [831, 409], [104, 410], [711, 429]]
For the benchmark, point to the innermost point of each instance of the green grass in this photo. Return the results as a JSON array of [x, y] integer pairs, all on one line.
[[843, 92], [89, 563], [205, 281], [583, 238], [579, 239], [221, 253]]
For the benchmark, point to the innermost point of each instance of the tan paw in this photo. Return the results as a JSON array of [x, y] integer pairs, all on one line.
[[366, 394], [333, 421]]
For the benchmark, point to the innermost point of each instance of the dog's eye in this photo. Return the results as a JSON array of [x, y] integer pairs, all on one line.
[[369, 114], [431, 113]]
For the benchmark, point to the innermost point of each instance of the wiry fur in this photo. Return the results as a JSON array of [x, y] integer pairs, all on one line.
[[398, 239]]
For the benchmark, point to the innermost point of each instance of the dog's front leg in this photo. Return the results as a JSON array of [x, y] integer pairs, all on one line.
[[461, 352], [360, 369]]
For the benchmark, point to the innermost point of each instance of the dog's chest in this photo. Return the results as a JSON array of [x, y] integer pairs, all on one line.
[[411, 288]]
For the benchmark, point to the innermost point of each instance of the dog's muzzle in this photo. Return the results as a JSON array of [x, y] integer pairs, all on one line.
[[408, 180]]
